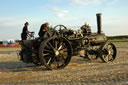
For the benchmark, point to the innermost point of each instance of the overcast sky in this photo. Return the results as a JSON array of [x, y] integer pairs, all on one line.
[[14, 13]]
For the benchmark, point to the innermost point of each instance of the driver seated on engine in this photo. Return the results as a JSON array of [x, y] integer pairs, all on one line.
[[44, 27], [86, 29]]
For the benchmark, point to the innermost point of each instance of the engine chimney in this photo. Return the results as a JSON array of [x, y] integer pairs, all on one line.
[[99, 27]]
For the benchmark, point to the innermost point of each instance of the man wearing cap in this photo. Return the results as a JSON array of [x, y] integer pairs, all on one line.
[[44, 27], [25, 31]]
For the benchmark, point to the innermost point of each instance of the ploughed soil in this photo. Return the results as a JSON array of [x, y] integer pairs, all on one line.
[[80, 71]]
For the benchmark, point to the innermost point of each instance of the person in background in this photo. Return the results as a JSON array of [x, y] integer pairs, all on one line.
[[44, 27], [25, 31], [86, 28]]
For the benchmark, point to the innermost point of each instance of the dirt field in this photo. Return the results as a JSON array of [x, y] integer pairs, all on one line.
[[78, 72]]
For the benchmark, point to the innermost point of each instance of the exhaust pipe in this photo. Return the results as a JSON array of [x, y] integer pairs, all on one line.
[[99, 25]]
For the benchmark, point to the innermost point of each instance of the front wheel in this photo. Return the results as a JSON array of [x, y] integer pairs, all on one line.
[[55, 52], [108, 52]]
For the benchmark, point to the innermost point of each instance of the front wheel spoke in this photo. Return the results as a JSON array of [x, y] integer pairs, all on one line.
[[110, 48], [111, 53], [110, 57], [107, 58]]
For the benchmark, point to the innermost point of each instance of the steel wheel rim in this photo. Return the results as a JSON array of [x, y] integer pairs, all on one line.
[[53, 54], [109, 52]]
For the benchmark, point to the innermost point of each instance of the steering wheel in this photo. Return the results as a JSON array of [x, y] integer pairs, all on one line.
[[30, 35], [59, 28]]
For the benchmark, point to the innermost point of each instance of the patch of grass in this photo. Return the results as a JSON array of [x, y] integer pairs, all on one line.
[[9, 48], [121, 44], [118, 40]]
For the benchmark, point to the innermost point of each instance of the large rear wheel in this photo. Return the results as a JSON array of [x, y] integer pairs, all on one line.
[[55, 52]]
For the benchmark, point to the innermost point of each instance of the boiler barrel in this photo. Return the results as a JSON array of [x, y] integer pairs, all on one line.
[[98, 39]]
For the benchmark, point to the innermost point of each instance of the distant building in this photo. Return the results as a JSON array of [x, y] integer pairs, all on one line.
[[1, 42], [9, 43], [5, 43]]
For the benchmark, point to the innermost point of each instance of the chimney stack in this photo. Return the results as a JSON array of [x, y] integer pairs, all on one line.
[[99, 24]]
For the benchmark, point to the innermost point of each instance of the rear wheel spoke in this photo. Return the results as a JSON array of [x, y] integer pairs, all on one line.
[[58, 63], [46, 54], [56, 53], [48, 51], [51, 46], [49, 61], [55, 44], [62, 57], [60, 47]]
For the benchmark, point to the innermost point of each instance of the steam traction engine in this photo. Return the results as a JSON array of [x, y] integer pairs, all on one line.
[[56, 47]]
